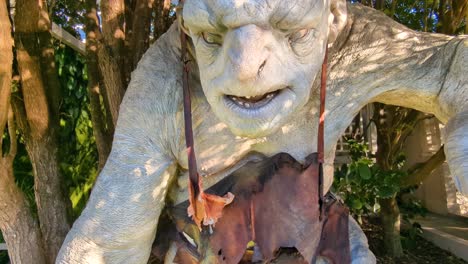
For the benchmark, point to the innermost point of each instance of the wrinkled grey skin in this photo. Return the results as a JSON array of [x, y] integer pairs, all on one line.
[[372, 58]]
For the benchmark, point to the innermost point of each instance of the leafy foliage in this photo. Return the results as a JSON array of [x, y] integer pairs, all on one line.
[[22, 169], [361, 183], [77, 144], [69, 14], [427, 16]]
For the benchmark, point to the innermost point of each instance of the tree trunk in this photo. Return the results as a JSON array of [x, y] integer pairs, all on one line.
[[139, 39], [38, 119], [393, 8], [451, 15], [103, 126], [390, 216], [466, 23], [380, 5], [20, 231], [6, 62], [113, 53], [385, 118], [110, 56], [52, 204], [426, 15], [162, 20]]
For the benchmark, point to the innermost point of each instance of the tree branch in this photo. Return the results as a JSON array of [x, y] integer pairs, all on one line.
[[419, 172], [18, 227], [102, 128], [161, 19], [139, 41], [19, 111], [41, 99], [6, 62]]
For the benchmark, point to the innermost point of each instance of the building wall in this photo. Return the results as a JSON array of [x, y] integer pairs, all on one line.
[[437, 193]]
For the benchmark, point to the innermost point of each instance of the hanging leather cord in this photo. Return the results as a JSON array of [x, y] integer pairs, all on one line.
[[323, 90], [189, 142], [321, 128], [204, 209]]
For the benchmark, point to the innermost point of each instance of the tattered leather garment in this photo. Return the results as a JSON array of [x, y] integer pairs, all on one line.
[[277, 206]]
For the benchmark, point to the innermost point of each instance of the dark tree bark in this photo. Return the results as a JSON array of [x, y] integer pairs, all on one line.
[[386, 119], [17, 224], [393, 8], [162, 20], [466, 23], [394, 125], [380, 5], [111, 56], [103, 126], [113, 53], [390, 217], [139, 38], [37, 117], [451, 15], [420, 172], [20, 230]]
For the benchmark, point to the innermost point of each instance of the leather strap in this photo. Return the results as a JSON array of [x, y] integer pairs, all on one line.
[[321, 128], [189, 142], [323, 91]]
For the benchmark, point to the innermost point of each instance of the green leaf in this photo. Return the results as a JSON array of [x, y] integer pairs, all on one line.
[[386, 192], [356, 204], [82, 137], [364, 171]]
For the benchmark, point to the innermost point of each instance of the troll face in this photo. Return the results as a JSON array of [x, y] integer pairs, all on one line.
[[258, 60]]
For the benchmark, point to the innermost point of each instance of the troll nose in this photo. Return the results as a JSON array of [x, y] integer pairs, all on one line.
[[248, 52]]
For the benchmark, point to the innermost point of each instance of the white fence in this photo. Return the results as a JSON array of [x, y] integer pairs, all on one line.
[[360, 128]]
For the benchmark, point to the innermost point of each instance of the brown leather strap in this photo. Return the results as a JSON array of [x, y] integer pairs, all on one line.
[[320, 136], [189, 142], [204, 208], [323, 90]]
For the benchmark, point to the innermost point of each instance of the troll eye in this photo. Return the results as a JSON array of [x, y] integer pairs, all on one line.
[[212, 38], [299, 35]]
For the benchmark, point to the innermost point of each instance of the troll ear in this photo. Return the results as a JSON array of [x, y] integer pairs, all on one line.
[[180, 19], [337, 19], [181, 25]]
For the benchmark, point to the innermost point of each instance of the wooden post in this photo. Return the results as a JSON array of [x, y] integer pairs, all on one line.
[[67, 38]]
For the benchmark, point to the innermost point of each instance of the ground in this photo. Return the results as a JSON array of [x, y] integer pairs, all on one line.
[[417, 250]]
